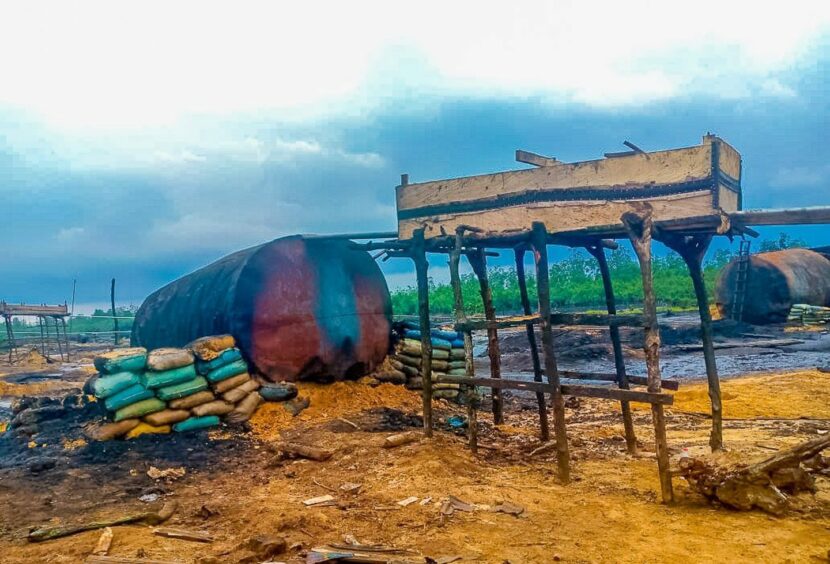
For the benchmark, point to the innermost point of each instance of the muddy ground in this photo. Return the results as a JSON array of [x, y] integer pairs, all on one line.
[[235, 488]]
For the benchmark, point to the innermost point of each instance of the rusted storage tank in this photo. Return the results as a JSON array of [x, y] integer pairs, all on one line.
[[298, 307], [775, 281]]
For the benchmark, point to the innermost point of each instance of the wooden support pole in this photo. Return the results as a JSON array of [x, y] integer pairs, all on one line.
[[9, 336], [42, 340], [421, 267], [639, 227], [531, 338], [460, 317], [619, 362], [479, 263], [692, 249], [114, 315], [65, 337], [58, 338], [540, 251]]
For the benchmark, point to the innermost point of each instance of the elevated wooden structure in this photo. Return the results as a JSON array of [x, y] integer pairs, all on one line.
[[680, 197], [44, 313]]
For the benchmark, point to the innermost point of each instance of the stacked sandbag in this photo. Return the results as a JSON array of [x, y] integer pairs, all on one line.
[[809, 314], [447, 359], [174, 390], [233, 392]]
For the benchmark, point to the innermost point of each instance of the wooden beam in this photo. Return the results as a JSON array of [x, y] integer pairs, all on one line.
[[673, 385], [539, 241], [534, 159], [600, 392], [792, 216], [544, 425], [639, 227], [589, 319]]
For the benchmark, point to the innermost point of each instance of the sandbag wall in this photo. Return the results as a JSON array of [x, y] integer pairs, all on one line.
[[171, 389], [447, 359]]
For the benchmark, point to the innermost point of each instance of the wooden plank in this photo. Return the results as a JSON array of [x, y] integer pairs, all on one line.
[[571, 216], [602, 392], [641, 169], [590, 319], [611, 377], [533, 159], [24, 309]]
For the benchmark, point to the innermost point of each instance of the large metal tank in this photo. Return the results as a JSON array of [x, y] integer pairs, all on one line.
[[298, 307], [775, 281]]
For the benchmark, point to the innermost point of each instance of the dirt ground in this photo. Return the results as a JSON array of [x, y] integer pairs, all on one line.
[[234, 487]]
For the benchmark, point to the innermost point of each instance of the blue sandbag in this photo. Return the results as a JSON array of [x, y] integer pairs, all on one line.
[[106, 386], [227, 371], [193, 423], [153, 380], [458, 344], [177, 391], [446, 335], [228, 356], [437, 342], [132, 394]]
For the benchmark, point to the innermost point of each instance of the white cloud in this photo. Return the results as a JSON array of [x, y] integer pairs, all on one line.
[[103, 64], [801, 177]]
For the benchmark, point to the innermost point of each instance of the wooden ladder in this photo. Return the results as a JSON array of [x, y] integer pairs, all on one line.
[[739, 295]]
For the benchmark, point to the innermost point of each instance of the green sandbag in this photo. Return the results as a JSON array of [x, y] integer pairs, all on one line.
[[168, 393], [458, 364], [106, 386], [121, 360], [171, 377], [139, 409], [194, 423], [130, 395], [457, 372], [227, 357], [224, 372]]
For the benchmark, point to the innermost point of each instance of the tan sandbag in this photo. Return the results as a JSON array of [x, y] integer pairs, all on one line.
[[413, 348], [145, 429], [160, 360], [396, 364], [440, 386], [109, 431], [193, 400], [445, 394], [415, 383], [407, 360], [232, 382], [217, 407], [391, 376], [244, 409], [238, 393], [208, 348], [166, 417], [440, 365], [410, 371]]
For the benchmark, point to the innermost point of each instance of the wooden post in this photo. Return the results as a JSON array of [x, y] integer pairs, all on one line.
[[9, 336], [461, 317], [619, 362], [531, 338], [114, 315], [42, 340], [58, 338], [479, 263], [540, 251], [692, 248], [421, 267], [639, 229], [65, 337]]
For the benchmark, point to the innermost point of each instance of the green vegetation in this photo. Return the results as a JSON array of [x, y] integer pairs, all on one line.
[[576, 283]]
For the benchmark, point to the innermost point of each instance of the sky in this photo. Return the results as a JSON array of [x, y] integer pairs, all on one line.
[[143, 140]]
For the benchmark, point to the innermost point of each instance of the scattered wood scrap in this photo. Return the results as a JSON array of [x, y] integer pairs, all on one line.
[[102, 547], [151, 518], [319, 501], [296, 450], [401, 439], [182, 534], [764, 485]]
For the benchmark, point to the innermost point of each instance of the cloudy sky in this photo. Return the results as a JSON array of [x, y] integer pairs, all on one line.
[[141, 141]]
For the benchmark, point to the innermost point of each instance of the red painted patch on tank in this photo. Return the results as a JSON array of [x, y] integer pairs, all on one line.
[[284, 331], [375, 327]]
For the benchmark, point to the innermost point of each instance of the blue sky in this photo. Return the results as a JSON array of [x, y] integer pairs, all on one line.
[[143, 143]]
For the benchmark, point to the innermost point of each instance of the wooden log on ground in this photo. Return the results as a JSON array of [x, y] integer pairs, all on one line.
[[102, 547], [150, 518], [183, 534], [401, 439], [303, 451], [761, 484], [126, 560]]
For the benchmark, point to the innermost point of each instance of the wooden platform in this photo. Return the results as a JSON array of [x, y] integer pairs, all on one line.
[[570, 197], [33, 310]]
